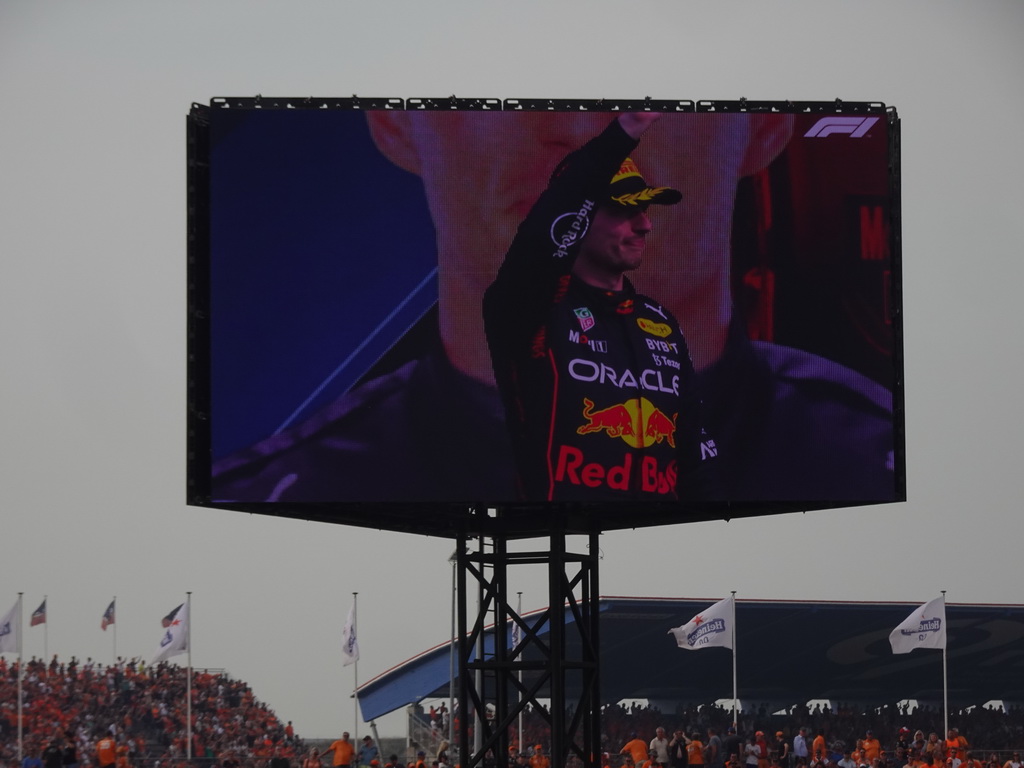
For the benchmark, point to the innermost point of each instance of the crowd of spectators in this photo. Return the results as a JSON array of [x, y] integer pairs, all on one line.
[[143, 707], [991, 729], [74, 705], [988, 730]]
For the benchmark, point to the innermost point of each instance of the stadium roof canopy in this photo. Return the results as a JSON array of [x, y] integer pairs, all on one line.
[[786, 652]]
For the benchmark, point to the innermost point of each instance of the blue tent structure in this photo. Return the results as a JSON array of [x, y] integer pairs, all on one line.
[[786, 652]]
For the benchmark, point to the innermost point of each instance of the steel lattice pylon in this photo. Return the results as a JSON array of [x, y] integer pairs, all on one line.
[[504, 664]]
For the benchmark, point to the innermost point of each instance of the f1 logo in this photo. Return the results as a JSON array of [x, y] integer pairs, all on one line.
[[854, 126]]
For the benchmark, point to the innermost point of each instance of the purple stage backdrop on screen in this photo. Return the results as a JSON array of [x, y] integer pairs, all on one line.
[[345, 366]]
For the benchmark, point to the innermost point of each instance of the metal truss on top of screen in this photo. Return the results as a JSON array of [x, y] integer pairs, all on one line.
[[459, 519], [543, 104]]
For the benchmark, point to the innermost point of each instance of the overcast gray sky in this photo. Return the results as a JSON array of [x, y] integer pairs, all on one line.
[[92, 311]]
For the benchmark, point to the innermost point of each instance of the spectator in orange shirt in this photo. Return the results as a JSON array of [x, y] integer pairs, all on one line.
[[539, 759], [956, 745], [636, 748], [872, 747], [343, 751], [819, 752], [695, 750], [106, 750]]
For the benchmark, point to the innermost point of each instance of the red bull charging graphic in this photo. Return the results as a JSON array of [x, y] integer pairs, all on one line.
[[638, 422]]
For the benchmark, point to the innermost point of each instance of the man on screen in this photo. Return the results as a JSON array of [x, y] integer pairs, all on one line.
[[567, 330], [792, 426]]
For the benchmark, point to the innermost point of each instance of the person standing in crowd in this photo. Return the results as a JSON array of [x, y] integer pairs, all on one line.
[[636, 748], [956, 745], [780, 750], [343, 751], [31, 759], [872, 747], [695, 750], [762, 749], [819, 751], [69, 756], [368, 752], [800, 746], [539, 759], [312, 759], [53, 755], [106, 749], [679, 750], [902, 745], [714, 756], [751, 753], [659, 748]]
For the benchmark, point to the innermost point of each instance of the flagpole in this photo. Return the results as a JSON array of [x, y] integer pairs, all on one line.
[[115, 628], [355, 670], [735, 696], [188, 679], [945, 678], [519, 737], [20, 674], [46, 632]]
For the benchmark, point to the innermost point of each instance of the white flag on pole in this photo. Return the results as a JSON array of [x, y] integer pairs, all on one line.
[[349, 644], [708, 629], [924, 628], [175, 637], [10, 630]]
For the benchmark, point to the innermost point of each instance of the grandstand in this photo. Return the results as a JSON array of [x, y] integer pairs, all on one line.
[[146, 707]]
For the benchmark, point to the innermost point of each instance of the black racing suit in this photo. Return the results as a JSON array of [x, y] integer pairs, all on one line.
[[597, 385]]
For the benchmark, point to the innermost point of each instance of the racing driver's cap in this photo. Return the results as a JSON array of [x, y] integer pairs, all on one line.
[[629, 190]]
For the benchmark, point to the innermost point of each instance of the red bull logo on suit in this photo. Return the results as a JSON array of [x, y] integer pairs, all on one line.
[[638, 422]]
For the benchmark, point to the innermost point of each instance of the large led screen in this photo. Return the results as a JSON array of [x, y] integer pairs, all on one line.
[[687, 316]]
